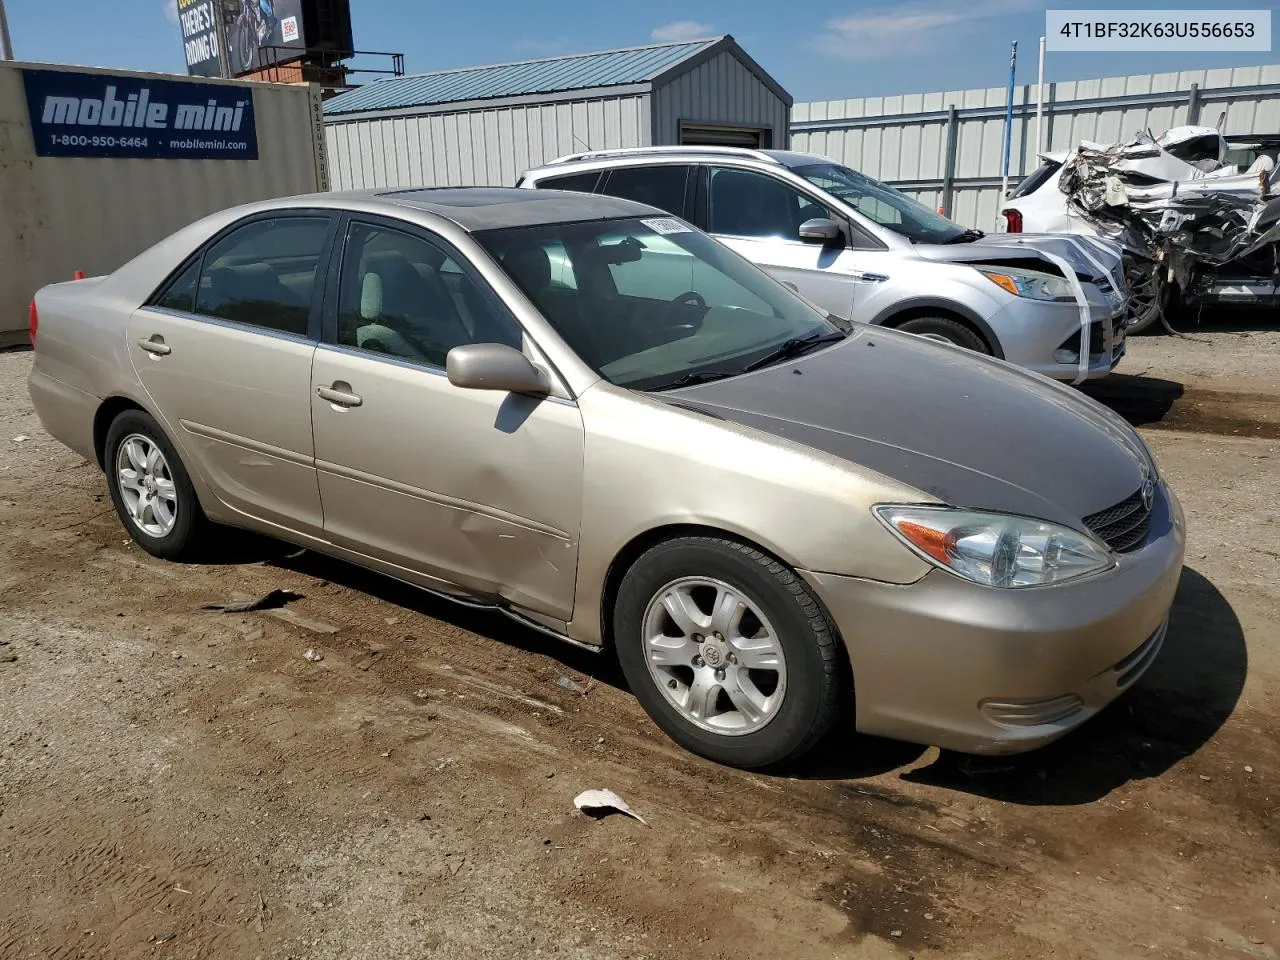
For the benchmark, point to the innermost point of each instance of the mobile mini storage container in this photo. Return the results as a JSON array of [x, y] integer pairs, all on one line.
[[97, 165], [487, 125]]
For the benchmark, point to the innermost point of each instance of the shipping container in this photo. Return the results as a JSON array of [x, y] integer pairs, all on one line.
[[97, 165]]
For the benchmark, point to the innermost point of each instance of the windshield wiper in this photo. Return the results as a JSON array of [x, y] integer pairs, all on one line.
[[698, 376], [794, 347], [968, 236]]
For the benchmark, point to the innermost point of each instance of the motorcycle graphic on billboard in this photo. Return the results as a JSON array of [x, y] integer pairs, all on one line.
[[259, 29]]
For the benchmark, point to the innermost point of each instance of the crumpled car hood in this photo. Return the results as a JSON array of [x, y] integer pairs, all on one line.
[[968, 430]]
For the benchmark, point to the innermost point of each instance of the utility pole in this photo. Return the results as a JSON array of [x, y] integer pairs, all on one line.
[[6, 44], [220, 26]]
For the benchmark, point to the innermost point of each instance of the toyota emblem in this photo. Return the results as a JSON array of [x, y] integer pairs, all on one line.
[[1148, 493]]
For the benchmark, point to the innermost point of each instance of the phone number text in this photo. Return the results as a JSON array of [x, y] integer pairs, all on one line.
[[83, 140]]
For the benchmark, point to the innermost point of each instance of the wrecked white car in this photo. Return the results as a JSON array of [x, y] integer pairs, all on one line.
[[1198, 224]]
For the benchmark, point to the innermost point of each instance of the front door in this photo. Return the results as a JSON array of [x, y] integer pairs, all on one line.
[[759, 217], [225, 350], [477, 488]]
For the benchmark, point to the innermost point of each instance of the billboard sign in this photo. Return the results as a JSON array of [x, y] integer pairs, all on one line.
[[99, 115], [262, 33], [200, 37]]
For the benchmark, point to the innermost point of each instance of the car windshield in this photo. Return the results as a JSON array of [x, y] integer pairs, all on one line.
[[650, 303], [882, 203]]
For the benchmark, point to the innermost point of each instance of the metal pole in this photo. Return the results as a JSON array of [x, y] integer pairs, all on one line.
[[1040, 104], [220, 26], [1008, 126], [1193, 105], [949, 171], [6, 44]]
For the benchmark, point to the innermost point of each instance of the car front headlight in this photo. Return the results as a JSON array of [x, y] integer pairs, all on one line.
[[1031, 284], [993, 549]]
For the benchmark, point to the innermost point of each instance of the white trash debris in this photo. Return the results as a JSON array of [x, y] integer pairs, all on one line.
[[598, 803], [315, 656], [21, 438]]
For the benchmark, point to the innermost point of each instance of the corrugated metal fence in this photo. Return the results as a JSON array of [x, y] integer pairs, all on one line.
[[945, 148]]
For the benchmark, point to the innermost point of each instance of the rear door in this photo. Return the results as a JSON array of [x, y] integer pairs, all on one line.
[[759, 217], [478, 488], [224, 351]]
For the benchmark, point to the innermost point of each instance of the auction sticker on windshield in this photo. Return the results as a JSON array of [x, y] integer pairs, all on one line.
[[665, 225]]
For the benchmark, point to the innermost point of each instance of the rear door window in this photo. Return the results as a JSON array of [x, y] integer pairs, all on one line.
[[662, 185], [264, 274], [581, 182], [1036, 179]]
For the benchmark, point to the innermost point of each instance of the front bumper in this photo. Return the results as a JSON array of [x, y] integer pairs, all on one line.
[[980, 670], [1045, 337]]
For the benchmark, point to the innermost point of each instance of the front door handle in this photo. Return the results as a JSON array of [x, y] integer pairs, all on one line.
[[340, 394], [156, 346]]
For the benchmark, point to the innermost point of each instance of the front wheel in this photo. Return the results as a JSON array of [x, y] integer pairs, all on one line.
[[728, 651], [946, 330]]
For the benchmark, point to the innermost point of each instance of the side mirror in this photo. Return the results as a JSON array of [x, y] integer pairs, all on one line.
[[821, 230], [494, 366]]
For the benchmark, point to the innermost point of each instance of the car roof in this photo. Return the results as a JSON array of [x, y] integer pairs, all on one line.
[[482, 208]]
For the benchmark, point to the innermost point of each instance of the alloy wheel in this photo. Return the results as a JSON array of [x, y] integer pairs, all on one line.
[[714, 655], [146, 485]]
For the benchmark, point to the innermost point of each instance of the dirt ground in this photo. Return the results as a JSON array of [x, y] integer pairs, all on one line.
[[182, 783]]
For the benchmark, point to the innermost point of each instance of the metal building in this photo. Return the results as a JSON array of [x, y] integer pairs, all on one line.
[[486, 125]]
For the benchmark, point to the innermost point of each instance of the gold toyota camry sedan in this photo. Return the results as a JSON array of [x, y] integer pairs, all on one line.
[[592, 417]]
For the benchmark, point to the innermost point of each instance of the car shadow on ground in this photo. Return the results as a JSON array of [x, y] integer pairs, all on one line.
[[1140, 400], [1181, 702], [489, 623]]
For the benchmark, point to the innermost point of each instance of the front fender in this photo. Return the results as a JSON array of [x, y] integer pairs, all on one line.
[[649, 464]]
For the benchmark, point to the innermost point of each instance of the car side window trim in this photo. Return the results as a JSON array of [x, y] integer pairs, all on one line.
[[314, 308]]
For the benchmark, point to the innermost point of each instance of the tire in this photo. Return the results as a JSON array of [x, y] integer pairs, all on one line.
[[181, 537], [948, 330], [795, 705], [1147, 293]]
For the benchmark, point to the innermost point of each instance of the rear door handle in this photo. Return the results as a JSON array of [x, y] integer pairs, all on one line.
[[156, 346], [340, 394]]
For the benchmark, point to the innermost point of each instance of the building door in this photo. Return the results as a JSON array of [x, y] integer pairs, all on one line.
[[716, 135]]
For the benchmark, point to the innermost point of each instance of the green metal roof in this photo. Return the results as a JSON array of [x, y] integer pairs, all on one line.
[[581, 71]]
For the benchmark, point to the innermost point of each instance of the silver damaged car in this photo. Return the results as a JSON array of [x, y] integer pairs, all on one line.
[[861, 249], [586, 414]]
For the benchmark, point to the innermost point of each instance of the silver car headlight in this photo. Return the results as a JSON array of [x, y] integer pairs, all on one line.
[[1031, 284], [996, 550]]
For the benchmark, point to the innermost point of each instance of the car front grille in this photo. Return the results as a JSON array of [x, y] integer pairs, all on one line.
[[1124, 526]]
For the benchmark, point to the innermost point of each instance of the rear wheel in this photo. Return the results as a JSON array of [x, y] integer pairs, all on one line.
[[150, 488], [728, 651], [946, 330]]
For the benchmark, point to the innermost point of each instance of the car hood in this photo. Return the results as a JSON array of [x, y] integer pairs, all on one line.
[[1007, 247], [968, 430]]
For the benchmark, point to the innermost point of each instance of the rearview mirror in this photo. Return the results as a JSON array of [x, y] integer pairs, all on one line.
[[494, 366], [821, 230]]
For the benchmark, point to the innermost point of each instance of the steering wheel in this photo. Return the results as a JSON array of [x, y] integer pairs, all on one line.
[[691, 297]]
